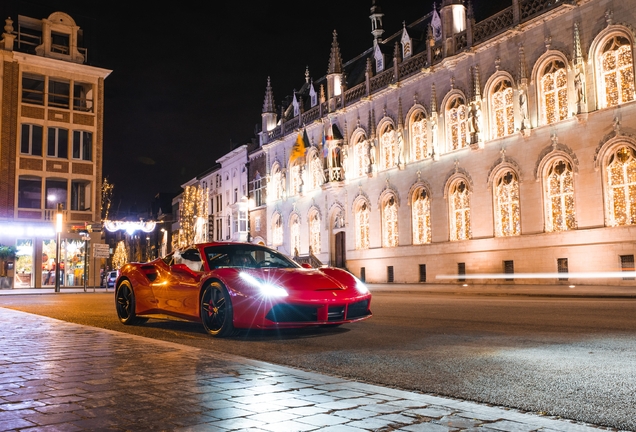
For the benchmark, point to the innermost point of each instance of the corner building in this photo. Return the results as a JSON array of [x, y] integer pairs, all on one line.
[[51, 140]]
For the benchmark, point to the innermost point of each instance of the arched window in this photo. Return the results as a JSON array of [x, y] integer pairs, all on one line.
[[294, 234], [317, 171], [390, 222], [362, 225], [421, 217], [617, 71], [295, 178], [621, 187], [277, 230], [360, 157], [503, 117], [507, 213], [274, 187], [456, 124], [459, 201], [388, 148], [419, 137], [559, 192], [554, 92], [314, 232]]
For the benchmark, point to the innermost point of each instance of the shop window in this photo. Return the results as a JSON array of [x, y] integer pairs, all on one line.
[[83, 145], [627, 265], [562, 267], [389, 274], [30, 192], [422, 272], [31, 142]]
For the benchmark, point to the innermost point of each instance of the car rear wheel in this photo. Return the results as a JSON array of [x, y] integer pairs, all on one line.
[[216, 310], [125, 304]]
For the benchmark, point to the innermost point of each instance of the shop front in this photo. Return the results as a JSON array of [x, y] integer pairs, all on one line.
[[36, 256]]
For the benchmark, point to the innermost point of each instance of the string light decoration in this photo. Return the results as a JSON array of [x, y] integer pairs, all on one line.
[[275, 184], [507, 219], [193, 207], [560, 197], [421, 217], [618, 71], [107, 197], [120, 257], [314, 233], [295, 174], [621, 179], [501, 100], [460, 211], [456, 117], [554, 84], [419, 139], [388, 142], [390, 222], [362, 226]]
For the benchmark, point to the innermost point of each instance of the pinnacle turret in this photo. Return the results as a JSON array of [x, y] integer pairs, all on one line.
[[335, 59]]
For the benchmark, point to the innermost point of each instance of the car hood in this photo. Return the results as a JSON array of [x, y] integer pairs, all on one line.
[[304, 279]]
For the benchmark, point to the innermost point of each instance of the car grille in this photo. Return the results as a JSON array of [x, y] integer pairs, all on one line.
[[335, 313], [358, 309], [292, 313]]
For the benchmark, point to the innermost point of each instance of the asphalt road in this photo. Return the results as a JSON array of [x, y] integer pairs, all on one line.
[[574, 358]]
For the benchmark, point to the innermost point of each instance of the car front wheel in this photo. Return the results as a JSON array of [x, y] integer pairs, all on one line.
[[125, 304], [216, 310]]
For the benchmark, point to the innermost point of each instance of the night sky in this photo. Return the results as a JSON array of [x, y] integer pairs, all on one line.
[[188, 81]]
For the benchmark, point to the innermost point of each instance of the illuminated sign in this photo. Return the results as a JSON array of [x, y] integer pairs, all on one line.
[[22, 230]]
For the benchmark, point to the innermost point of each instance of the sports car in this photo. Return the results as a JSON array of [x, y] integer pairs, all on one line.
[[229, 286]]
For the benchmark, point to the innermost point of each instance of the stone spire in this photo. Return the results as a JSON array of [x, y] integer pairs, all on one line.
[[523, 70], [376, 21], [335, 60], [400, 115], [476, 85], [578, 52], [268, 104], [433, 99]]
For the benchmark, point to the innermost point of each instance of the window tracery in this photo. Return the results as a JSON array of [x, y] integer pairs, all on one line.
[[419, 137], [421, 217], [361, 157], [275, 185], [388, 148], [277, 230], [456, 124], [317, 171], [559, 184], [617, 71], [295, 179], [362, 226], [314, 232], [294, 235], [621, 187], [459, 211], [503, 118], [390, 222], [554, 92], [507, 212]]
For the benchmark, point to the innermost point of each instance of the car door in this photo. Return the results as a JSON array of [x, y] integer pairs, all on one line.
[[179, 296]]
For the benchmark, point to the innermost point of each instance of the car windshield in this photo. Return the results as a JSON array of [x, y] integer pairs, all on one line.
[[251, 256]]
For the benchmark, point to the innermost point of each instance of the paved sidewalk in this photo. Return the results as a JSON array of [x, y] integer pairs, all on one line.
[[60, 376]]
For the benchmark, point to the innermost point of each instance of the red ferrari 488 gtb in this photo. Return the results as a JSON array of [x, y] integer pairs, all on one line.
[[231, 286]]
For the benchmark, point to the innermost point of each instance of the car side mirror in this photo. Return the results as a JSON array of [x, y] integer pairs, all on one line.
[[306, 265]]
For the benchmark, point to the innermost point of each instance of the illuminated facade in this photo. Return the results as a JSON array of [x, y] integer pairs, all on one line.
[[508, 143], [51, 127]]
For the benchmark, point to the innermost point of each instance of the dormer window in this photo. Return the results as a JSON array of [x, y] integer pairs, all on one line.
[[60, 43], [407, 46], [313, 97], [379, 59], [295, 105]]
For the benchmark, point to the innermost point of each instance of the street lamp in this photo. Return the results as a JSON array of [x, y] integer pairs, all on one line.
[[59, 221]]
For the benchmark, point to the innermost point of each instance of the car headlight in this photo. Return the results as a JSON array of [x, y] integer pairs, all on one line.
[[267, 289], [360, 286]]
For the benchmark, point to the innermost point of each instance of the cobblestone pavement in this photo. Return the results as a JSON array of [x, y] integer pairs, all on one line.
[[58, 376]]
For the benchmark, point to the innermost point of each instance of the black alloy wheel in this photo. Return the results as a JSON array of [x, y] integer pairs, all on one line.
[[125, 304], [216, 310]]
